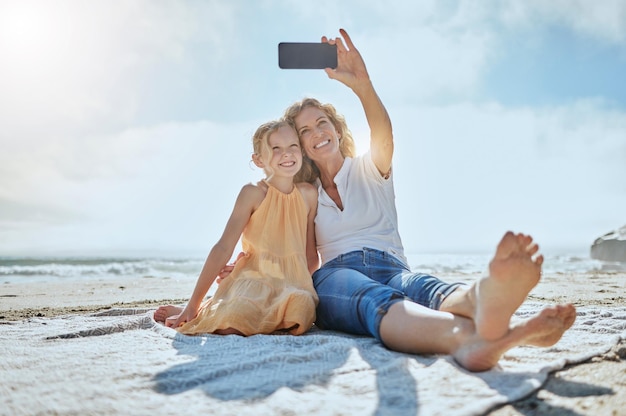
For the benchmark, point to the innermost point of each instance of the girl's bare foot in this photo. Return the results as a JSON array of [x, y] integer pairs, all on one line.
[[164, 312], [171, 321], [513, 272], [542, 330]]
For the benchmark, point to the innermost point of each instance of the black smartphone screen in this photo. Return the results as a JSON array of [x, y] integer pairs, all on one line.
[[298, 55]]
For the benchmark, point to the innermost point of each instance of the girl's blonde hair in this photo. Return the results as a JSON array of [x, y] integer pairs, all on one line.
[[309, 172], [261, 143], [263, 150]]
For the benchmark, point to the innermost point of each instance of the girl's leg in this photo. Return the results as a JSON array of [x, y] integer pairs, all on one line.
[[229, 331]]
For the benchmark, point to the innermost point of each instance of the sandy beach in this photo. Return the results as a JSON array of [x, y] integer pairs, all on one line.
[[594, 387]]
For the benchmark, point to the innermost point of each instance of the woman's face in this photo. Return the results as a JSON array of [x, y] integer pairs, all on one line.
[[318, 136]]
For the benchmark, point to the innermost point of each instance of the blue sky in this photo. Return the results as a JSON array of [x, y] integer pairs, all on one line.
[[126, 125]]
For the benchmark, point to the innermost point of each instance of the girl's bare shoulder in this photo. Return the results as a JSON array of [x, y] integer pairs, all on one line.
[[259, 188], [253, 193]]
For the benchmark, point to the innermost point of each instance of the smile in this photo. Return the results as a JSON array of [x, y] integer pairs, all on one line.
[[322, 144]]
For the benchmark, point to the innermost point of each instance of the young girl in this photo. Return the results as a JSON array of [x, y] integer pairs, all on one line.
[[270, 288]]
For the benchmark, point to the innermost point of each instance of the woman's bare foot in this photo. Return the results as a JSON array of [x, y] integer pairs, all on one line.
[[542, 330], [513, 272], [164, 312], [546, 328]]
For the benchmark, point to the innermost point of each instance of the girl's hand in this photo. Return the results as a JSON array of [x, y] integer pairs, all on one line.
[[175, 321], [226, 270], [351, 69]]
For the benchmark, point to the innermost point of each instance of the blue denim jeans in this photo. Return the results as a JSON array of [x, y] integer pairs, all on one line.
[[357, 289]]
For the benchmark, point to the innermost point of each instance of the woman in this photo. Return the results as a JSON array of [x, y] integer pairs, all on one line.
[[364, 285]]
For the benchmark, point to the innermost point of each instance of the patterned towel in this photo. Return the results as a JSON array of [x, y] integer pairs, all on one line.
[[122, 362]]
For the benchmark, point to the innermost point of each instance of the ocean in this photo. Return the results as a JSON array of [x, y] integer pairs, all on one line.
[[49, 269]]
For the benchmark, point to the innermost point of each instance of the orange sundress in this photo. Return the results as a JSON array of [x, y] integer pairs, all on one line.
[[270, 289]]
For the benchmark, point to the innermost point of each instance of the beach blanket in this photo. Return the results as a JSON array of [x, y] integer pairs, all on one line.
[[122, 362]]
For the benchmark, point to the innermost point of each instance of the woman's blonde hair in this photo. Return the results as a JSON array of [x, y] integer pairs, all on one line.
[[309, 172]]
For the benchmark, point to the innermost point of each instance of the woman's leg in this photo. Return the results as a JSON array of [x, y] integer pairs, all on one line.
[[473, 323], [491, 301], [412, 328], [424, 289], [350, 301]]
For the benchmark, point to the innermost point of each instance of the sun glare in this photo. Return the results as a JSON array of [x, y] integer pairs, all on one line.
[[30, 30], [22, 25], [48, 59]]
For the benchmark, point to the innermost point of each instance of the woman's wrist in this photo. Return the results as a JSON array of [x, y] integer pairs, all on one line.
[[364, 88]]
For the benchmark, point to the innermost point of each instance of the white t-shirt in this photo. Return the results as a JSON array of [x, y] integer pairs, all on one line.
[[369, 217]]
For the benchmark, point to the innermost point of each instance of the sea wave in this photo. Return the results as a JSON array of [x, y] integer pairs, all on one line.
[[479, 263], [42, 269]]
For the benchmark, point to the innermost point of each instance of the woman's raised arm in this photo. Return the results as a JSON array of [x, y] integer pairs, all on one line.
[[352, 72]]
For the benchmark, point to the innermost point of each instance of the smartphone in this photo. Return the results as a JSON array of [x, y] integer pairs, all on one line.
[[299, 55]]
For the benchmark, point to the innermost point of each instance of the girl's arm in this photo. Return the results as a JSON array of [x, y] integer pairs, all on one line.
[[352, 72], [247, 202], [310, 196]]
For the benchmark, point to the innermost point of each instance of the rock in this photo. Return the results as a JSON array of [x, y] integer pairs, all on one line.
[[611, 246]]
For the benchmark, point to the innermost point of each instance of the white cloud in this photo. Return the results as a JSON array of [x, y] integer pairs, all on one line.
[[466, 173], [423, 64], [76, 63], [171, 185], [604, 20], [80, 169], [71, 75], [445, 52]]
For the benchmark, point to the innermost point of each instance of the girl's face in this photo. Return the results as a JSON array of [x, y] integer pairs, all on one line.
[[318, 135], [286, 158]]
